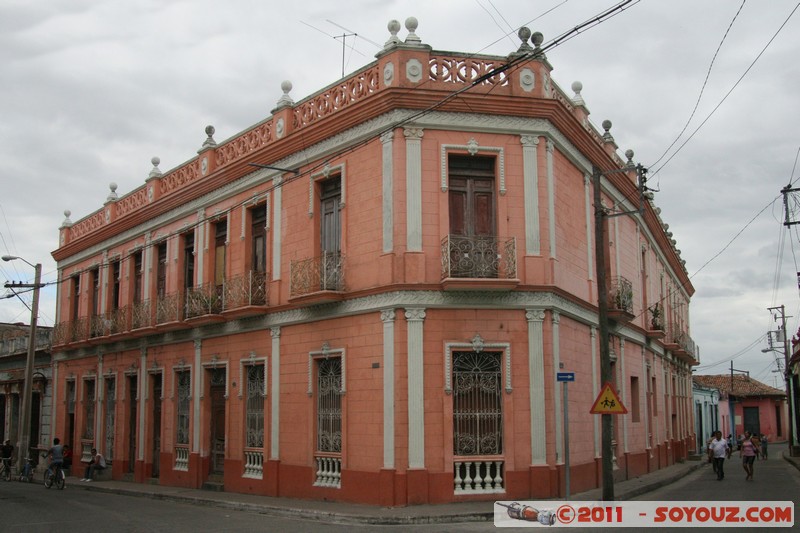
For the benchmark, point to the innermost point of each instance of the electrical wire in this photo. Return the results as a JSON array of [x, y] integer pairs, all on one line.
[[703, 87], [724, 98]]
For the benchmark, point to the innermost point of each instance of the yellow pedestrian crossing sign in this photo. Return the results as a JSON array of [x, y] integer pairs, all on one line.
[[608, 403]]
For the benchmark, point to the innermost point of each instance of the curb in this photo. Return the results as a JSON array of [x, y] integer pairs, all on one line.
[[381, 516]]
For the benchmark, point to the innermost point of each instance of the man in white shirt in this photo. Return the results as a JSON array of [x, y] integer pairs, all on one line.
[[98, 462], [719, 450]]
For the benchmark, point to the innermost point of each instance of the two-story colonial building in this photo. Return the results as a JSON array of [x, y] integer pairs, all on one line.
[[366, 297]]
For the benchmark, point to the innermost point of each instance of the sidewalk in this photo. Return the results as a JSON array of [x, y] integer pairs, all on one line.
[[363, 514]]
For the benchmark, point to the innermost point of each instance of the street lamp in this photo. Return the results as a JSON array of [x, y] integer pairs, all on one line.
[[27, 393]]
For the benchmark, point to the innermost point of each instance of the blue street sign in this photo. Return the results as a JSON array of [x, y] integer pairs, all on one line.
[[565, 376]]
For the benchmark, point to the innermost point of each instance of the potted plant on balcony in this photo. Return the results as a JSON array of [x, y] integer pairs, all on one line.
[[656, 323]]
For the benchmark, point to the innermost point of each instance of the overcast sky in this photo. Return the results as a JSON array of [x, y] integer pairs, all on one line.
[[91, 90]]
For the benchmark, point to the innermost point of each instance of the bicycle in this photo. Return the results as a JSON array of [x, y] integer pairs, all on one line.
[[5, 469], [54, 474], [27, 471]]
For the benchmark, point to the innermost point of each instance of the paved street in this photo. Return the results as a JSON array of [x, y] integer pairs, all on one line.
[[107, 506]]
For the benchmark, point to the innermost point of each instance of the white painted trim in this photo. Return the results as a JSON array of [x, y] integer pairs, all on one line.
[[473, 148], [504, 347], [530, 177], [388, 317]]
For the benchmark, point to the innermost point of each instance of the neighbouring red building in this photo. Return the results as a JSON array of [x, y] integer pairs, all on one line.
[[758, 408], [366, 297]]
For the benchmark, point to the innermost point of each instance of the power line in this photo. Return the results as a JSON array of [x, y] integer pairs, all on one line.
[[728, 93], [703, 87]]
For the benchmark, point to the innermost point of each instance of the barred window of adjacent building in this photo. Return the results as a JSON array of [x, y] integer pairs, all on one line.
[[110, 412], [88, 409], [477, 403], [329, 405], [255, 406], [184, 397]]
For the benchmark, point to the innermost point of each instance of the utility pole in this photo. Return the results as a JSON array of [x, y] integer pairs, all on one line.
[[605, 356], [600, 217], [27, 393], [787, 376]]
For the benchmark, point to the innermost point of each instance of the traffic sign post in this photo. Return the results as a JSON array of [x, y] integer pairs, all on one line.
[[565, 378]]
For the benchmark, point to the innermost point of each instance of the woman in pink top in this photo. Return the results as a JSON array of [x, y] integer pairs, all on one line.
[[748, 453]]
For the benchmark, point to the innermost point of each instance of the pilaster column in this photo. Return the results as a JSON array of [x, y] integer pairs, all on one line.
[[277, 195], [413, 189], [197, 395], [551, 198], [530, 176], [388, 317], [535, 318], [387, 139], [99, 438], [200, 247], [555, 318], [595, 389], [623, 390], [275, 395], [143, 402], [416, 390], [587, 201]]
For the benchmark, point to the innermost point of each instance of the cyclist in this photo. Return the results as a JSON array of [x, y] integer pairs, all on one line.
[[56, 454], [6, 451]]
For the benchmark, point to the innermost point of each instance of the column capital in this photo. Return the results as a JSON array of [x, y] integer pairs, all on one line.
[[415, 314], [276, 332], [534, 315], [413, 133], [387, 315], [529, 140]]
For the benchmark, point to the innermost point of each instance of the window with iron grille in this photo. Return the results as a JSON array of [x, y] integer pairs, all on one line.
[[329, 405], [477, 403], [88, 409], [110, 405], [255, 406], [183, 379]]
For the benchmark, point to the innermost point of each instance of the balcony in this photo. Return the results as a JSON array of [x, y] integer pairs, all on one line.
[[479, 263], [204, 303], [318, 279], [620, 299], [655, 327], [682, 346], [245, 295]]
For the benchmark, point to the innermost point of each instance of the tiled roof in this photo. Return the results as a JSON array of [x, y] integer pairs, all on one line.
[[743, 386]]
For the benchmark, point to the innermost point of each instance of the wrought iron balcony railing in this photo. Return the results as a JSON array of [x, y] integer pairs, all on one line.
[[205, 299], [323, 273], [169, 308], [247, 289], [620, 294], [479, 257], [141, 315]]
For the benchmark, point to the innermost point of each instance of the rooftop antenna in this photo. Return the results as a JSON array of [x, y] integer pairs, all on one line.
[[343, 37]]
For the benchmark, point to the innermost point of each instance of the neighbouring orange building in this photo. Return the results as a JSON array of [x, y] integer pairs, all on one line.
[[366, 297]]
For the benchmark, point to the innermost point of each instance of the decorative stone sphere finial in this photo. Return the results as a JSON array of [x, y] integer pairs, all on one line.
[[393, 27], [629, 155], [411, 25], [155, 172], [67, 213], [210, 140], [607, 135], [113, 194], [67, 222], [524, 34], [285, 100], [577, 99], [537, 39]]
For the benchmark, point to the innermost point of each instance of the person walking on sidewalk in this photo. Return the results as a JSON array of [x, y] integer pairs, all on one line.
[[748, 453], [720, 451]]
